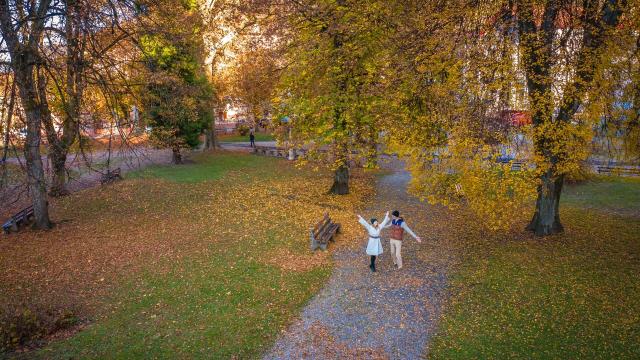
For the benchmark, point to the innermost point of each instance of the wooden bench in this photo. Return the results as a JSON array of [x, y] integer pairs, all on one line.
[[516, 166], [23, 217], [323, 232], [111, 176], [618, 170], [271, 151]]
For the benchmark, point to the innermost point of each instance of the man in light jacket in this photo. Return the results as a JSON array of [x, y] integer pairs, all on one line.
[[398, 228]]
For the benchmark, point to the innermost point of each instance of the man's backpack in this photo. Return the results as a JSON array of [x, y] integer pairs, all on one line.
[[397, 232]]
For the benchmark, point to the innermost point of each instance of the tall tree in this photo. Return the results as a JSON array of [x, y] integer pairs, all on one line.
[[23, 25], [458, 71], [538, 43], [326, 88], [177, 98], [78, 41]]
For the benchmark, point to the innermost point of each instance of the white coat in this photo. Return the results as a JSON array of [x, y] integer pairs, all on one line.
[[374, 246]]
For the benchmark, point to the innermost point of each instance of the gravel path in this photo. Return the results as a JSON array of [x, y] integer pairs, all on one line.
[[390, 314]]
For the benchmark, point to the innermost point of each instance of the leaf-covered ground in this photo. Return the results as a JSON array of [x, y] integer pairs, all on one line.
[[211, 260], [204, 260], [390, 314], [570, 296]]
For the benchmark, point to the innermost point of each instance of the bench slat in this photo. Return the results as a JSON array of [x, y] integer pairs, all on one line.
[[21, 217], [323, 232], [321, 223], [328, 232]]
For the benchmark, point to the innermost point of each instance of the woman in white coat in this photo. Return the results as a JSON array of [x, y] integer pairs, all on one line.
[[374, 247]]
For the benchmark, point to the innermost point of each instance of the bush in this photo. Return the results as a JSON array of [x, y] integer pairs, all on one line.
[[243, 130], [27, 325]]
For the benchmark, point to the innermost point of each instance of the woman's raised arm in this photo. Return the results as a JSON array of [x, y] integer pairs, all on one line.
[[363, 222], [385, 221]]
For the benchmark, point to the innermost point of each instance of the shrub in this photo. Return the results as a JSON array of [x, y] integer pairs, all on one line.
[[19, 329], [243, 130], [27, 325]]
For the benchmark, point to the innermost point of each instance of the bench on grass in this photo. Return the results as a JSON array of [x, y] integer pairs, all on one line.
[[618, 170], [517, 166], [323, 232], [270, 151], [21, 218], [111, 176]]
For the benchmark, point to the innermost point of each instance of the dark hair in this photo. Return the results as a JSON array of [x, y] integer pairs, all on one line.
[[373, 220], [396, 213]]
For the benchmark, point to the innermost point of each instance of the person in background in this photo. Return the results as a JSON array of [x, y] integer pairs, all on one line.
[[374, 246], [252, 138], [398, 228]]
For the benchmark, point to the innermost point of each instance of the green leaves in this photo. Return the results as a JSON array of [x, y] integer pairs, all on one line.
[[177, 98]]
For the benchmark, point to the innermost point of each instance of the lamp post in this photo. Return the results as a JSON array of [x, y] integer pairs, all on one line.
[[292, 152]]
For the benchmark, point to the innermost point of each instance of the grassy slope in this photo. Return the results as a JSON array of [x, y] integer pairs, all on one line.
[[574, 295], [221, 259]]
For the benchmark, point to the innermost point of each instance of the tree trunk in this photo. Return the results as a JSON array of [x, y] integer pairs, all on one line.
[[59, 175], [210, 136], [7, 130], [546, 220], [340, 181], [59, 144], [25, 62], [177, 157], [35, 171]]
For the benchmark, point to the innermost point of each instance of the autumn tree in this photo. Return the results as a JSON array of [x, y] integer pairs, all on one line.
[[23, 26], [458, 68], [177, 97], [51, 49], [553, 121], [326, 87], [76, 50]]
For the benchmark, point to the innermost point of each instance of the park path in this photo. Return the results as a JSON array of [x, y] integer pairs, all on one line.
[[390, 314]]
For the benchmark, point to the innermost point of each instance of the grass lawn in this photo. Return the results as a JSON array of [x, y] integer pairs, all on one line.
[[240, 138], [614, 194], [575, 295], [207, 260]]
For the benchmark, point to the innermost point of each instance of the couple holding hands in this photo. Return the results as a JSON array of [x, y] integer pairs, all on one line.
[[398, 228]]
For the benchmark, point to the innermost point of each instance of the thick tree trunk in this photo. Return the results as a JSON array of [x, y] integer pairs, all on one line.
[[177, 157], [59, 174], [340, 181], [59, 145], [546, 220], [210, 136], [537, 46], [35, 171], [25, 62]]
